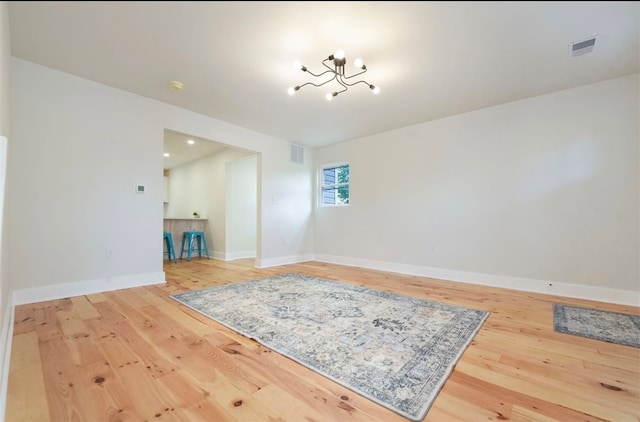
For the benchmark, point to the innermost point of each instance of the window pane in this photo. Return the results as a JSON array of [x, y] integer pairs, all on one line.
[[343, 174], [343, 195], [335, 196], [328, 196], [329, 176]]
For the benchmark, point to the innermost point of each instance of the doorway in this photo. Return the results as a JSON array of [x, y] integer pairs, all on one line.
[[220, 185]]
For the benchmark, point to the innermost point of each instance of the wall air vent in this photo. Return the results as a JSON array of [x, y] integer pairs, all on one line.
[[580, 48], [297, 154]]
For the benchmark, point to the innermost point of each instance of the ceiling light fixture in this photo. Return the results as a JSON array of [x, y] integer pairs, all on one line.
[[176, 85], [191, 141], [166, 154], [337, 74]]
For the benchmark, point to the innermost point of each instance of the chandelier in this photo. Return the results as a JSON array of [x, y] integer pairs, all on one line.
[[335, 74]]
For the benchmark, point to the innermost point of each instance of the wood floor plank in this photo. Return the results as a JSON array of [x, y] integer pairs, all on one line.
[[96, 298], [27, 389], [68, 392], [83, 308], [297, 411], [138, 355], [503, 401], [552, 390]]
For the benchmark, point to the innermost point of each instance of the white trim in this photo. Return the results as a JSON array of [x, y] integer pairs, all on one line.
[[284, 260], [231, 256], [63, 290], [6, 340], [578, 291]]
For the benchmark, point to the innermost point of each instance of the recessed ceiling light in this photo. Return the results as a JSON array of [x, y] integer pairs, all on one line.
[[166, 154], [191, 141], [176, 85]]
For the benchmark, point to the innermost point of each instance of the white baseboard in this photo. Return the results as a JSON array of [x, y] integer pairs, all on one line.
[[62, 290], [212, 255], [578, 291], [6, 340], [284, 260], [240, 255]]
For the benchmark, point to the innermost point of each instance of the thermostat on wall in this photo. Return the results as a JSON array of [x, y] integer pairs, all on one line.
[[139, 188]]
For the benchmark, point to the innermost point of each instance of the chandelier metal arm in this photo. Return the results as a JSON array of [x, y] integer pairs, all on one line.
[[336, 66], [356, 74], [304, 69], [318, 85], [343, 82], [324, 63]]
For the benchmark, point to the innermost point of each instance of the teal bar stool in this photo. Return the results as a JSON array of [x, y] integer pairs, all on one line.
[[168, 240], [189, 237]]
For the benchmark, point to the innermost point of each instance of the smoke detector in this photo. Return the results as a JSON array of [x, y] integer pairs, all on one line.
[[176, 85], [580, 48]]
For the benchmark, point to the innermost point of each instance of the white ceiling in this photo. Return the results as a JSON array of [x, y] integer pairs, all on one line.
[[182, 152], [431, 59]]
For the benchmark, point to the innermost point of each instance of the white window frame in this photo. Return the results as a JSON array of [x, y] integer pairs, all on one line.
[[321, 184]]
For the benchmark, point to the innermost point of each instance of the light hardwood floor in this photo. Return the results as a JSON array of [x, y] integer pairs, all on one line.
[[137, 355]]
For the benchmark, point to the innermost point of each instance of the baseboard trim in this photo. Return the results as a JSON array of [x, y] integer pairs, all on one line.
[[6, 339], [231, 256], [577, 291], [284, 260], [63, 290]]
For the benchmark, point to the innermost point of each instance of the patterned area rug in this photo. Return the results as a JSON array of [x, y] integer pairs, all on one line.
[[600, 325], [395, 350]]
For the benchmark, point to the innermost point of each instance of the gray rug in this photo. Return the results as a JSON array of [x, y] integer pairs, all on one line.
[[397, 351], [600, 325]]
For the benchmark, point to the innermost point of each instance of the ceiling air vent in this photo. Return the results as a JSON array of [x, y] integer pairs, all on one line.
[[297, 153], [580, 48]]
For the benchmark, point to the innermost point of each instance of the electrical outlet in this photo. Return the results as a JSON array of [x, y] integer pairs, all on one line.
[[109, 253]]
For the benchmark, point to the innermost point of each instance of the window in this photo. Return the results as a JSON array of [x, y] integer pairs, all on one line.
[[335, 184]]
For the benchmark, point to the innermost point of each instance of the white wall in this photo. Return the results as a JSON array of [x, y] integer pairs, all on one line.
[[200, 186], [241, 206], [5, 68], [80, 148], [544, 189], [289, 201], [6, 308]]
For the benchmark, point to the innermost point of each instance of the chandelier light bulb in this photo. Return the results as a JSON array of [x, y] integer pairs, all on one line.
[[297, 65], [358, 63], [339, 54], [329, 96], [291, 91]]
